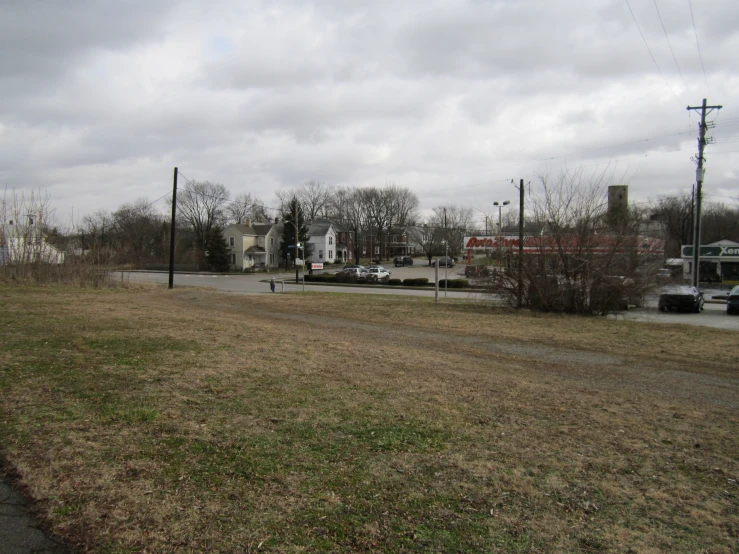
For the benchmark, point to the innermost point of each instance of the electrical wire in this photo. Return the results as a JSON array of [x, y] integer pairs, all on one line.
[[670, 45], [700, 56], [650, 52]]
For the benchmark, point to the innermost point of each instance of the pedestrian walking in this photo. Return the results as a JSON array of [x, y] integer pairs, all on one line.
[[272, 284]]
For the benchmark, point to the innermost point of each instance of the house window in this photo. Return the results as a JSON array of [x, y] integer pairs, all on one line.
[[233, 257], [320, 254], [330, 241], [330, 254], [231, 241], [271, 259], [364, 251], [377, 250], [271, 241]]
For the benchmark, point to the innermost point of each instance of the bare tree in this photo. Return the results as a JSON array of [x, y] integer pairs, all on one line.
[[138, 234], [356, 216], [428, 237], [585, 262], [245, 207], [202, 205], [454, 221], [676, 215], [25, 221], [315, 197]]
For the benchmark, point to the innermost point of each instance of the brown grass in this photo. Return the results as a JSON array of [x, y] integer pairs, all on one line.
[[193, 421]]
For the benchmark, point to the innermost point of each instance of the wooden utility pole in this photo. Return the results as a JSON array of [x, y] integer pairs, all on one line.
[[699, 175], [297, 223], [172, 230], [519, 297]]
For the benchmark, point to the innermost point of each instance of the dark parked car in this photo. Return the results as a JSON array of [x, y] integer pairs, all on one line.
[[446, 262], [681, 298], [732, 303], [400, 261], [476, 271]]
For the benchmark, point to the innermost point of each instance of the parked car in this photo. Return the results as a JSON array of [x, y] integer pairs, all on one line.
[[352, 274], [377, 275], [400, 261], [681, 298], [382, 267], [476, 271], [446, 262], [732, 303]]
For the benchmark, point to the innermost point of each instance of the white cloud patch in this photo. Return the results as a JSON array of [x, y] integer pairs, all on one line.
[[450, 98]]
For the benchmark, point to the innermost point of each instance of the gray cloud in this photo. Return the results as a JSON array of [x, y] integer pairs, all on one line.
[[452, 99]]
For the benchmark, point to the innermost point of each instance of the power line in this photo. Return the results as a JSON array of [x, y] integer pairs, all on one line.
[[650, 52], [670, 45], [617, 145], [158, 199], [690, 3]]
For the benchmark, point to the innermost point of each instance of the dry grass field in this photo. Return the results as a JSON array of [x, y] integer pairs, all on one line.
[[151, 420]]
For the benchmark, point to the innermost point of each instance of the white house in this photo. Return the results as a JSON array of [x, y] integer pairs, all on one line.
[[22, 244], [322, 237]]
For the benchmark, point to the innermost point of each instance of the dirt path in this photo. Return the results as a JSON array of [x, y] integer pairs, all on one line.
[[591, 369]]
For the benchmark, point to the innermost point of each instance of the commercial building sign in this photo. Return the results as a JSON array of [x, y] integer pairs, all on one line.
[[712, 251]]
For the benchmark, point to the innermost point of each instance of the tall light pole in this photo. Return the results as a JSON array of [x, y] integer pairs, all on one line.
[[446, 266], [500, 229]]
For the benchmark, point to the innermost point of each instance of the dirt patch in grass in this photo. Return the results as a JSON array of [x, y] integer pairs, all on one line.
[[193, 421]]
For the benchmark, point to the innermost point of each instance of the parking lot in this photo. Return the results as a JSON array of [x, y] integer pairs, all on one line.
[[713, 314], [420, 268]]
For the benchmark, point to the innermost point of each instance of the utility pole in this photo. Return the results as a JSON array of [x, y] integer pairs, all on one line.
[[519, 296], [699, 175], [297, 250], [171, 231]]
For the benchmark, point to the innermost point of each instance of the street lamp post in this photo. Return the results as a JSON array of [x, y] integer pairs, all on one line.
[[500, 229]]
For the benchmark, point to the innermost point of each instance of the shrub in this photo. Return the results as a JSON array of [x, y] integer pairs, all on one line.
[[418, 282], [342, 277], [320, 278], [454, 283], [394, 282]]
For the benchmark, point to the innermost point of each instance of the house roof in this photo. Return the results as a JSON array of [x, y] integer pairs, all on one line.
[[243, 229], [262, 229], [255, 250], [319, 227]]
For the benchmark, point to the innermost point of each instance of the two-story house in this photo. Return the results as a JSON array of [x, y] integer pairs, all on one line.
[[268, 236], [345, 246], [245, 253], [322, 238]]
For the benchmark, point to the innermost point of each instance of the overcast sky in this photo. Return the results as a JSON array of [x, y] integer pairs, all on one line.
[[453, 99]]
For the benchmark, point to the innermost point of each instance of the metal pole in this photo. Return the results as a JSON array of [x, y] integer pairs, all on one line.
[[519, 299], [446, 265], [436, 278], [172, 231], [500, 231]]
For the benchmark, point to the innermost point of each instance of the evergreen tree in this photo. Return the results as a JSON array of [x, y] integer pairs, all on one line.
[[217, 250], [288, 232]]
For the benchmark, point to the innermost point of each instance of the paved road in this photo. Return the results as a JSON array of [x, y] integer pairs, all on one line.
[[713, 315], [19, 530], [252, 284]]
